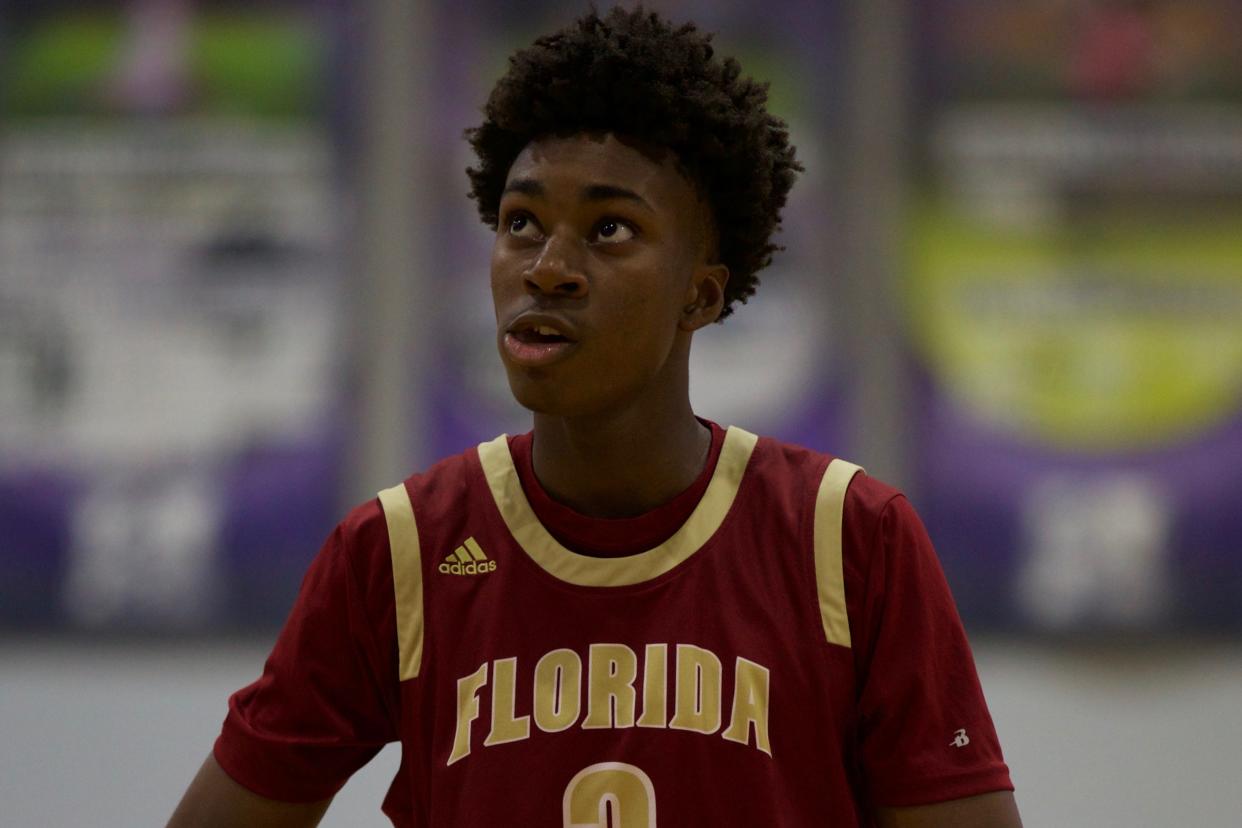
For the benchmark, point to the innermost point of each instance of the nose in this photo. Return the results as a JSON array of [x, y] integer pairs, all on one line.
[[558, 270]]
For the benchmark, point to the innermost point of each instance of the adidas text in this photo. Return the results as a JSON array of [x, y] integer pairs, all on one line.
[[471, 568]]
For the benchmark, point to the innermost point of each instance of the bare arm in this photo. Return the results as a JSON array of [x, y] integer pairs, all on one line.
[[990, 810], [214, 800]]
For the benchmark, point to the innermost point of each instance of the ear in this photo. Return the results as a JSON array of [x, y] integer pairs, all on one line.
[[704, 297]]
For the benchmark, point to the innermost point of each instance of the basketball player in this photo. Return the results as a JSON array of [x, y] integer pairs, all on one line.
[[630, 615]]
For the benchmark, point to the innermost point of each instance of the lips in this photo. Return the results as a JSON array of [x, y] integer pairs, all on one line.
[[538, 339]]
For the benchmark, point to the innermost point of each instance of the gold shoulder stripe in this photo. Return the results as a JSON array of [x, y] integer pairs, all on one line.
[[829, 566], [583, 570], [407, 578]]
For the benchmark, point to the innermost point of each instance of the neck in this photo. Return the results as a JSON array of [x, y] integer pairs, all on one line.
[[622, 463]]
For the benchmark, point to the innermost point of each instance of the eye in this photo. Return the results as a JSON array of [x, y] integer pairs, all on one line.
[[522, 225], [614, 231]]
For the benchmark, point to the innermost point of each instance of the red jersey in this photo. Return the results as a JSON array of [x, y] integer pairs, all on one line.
[[785, 653]]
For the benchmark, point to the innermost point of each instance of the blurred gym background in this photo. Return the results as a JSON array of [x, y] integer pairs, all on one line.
[[241, 289]]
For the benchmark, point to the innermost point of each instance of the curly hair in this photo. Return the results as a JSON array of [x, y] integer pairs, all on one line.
[[634, 74]]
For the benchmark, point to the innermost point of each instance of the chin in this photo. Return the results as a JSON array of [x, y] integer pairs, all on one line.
[[535, 396], [553, 398]]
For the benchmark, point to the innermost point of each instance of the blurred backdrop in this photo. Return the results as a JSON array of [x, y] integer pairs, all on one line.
[[242, 288]]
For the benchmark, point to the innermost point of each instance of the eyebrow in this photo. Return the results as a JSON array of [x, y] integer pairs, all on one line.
[[608, 192], [591, 192], [525, 186]]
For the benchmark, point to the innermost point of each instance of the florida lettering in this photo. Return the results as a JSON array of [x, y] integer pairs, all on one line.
[[607, 693]]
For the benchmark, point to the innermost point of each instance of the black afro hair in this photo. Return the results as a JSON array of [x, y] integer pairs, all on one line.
[[634, 74]]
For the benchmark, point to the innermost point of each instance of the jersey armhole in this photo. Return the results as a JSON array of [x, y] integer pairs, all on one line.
[[828, 547], [407, 578]]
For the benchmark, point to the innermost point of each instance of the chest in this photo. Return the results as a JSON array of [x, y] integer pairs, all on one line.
[[711, 674]]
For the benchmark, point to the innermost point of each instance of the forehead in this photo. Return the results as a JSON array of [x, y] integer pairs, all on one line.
[[588, 159]]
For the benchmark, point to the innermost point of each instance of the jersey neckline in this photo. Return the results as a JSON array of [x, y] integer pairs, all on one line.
[[599, 537], [583, 570]]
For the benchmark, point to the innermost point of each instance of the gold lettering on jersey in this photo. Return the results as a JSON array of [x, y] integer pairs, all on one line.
[[467, 710], [505, 728], [558, 688], [750, 705], [610, 793], [698, 690], [610, 686], [655, 687], [611, 682]]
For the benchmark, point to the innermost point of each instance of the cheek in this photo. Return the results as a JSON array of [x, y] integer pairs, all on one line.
[[501, 273], [664, 294], [496, 264], [645, 313]]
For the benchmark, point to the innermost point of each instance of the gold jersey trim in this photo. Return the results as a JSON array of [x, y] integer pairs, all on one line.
[[407, 578], [829, 564], [583, 570]]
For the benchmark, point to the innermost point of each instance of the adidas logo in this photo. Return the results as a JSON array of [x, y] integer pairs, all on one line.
[[467, 559]]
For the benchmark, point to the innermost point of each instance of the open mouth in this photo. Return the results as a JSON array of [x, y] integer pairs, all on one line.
[[540, 335], [535, 346]]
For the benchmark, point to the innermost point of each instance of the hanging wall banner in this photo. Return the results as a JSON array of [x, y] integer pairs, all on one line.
[[1076, 297], [169, 317]]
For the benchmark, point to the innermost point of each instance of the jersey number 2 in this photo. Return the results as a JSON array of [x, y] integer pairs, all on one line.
[[610, 786]]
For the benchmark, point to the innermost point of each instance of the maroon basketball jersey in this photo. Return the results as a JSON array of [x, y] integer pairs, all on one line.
[[790, 656]]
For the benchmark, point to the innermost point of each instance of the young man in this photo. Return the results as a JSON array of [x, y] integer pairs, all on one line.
[[629, 614]]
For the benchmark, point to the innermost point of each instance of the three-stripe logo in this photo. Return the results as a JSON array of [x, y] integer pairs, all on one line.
[[467, 559]]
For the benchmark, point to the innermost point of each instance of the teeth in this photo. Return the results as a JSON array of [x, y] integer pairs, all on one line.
[[544, 330]]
